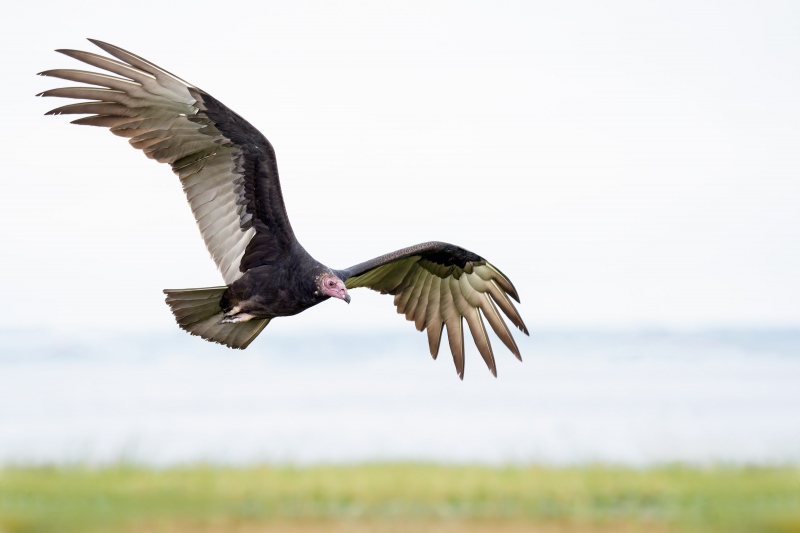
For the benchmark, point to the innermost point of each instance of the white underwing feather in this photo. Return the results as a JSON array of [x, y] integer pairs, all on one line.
[[152, 108]]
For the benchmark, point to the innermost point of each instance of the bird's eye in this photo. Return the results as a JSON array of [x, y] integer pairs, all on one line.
[[330, 283]]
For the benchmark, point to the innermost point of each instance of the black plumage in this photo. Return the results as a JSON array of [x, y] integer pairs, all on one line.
[[229, 173]]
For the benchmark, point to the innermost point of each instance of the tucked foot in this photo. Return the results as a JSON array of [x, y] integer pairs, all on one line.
[[236, 319]]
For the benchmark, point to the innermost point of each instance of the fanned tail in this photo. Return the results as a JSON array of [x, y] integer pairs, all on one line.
[[198, 312]]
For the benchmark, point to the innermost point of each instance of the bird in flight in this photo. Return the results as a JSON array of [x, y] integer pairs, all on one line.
[[229, 173]]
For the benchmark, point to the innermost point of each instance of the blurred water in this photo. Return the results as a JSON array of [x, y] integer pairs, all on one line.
[[632, 398]]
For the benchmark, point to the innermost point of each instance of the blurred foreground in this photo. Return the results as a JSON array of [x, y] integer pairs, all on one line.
[[398, 497]]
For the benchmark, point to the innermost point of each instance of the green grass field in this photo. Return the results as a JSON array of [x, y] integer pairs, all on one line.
[[398, 497]]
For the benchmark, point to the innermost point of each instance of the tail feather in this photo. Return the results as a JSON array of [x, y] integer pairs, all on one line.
[[198, 312]]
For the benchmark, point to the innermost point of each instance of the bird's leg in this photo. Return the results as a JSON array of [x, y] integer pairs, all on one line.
[[234, 310], [236, 319], [235, 316]]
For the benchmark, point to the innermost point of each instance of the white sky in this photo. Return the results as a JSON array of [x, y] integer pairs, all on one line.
[[626, 164]]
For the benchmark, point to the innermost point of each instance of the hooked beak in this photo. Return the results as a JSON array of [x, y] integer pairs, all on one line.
[[341, 292]]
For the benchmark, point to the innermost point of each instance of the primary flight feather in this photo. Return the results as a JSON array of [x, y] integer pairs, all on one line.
[[229, 173]]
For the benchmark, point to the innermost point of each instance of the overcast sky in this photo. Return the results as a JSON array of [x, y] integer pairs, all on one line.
[[626, 164]]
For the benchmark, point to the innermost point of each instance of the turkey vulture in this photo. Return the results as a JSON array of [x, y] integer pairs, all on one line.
[[230, 176]]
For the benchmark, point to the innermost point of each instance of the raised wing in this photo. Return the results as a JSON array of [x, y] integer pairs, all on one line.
[[436, 284], [226, 166]]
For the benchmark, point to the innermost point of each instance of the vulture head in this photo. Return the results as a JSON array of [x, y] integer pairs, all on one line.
[[329, 285]]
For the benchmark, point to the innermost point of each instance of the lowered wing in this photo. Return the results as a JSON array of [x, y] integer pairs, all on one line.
[[438, 285]]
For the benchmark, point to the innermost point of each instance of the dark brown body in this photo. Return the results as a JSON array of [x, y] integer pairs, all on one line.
[[285, 287]]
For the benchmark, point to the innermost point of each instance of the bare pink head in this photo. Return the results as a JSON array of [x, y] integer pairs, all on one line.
[[332, 286]]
